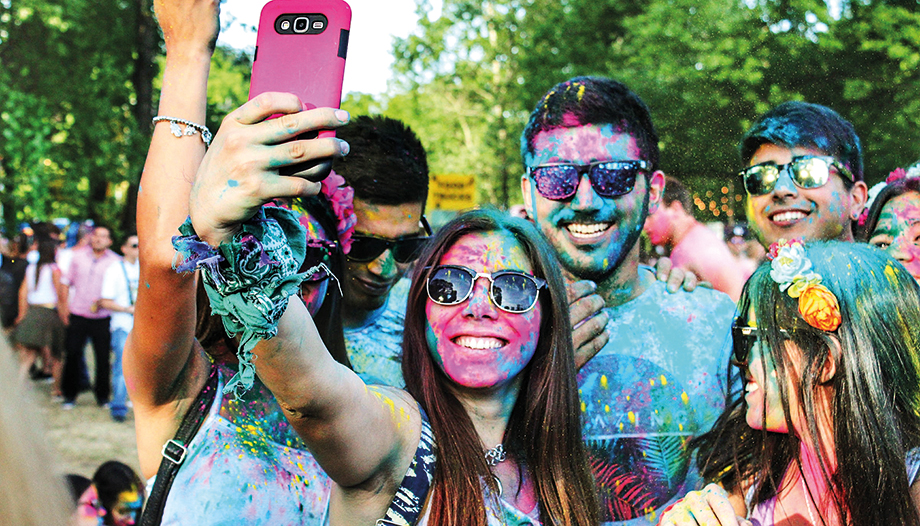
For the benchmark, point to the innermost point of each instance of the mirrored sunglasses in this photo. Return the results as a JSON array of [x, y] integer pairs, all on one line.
[[510, 290], [810, 171], [608, 178]]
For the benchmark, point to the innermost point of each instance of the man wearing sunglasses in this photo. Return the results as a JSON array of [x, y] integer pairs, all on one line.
[[591, 177], [803, 174], [388, 169]]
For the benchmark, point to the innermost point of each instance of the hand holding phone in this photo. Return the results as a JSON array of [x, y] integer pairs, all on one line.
[[301, 47]]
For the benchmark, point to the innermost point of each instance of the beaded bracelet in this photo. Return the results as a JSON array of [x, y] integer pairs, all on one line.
[[248, 279], [190, 128]]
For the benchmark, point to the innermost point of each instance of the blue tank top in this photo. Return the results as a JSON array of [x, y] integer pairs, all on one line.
[[246, 465]]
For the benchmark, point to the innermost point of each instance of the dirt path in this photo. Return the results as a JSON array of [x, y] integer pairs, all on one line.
[[85, 436]]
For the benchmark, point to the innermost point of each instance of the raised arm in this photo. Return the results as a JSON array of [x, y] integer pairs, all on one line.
[[327, 403], [163, 370]]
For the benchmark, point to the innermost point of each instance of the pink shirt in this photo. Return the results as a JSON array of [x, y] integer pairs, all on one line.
[[85, 278], [703, 252]]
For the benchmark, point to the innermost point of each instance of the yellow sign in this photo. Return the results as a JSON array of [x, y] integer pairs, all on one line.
[[452, 192]]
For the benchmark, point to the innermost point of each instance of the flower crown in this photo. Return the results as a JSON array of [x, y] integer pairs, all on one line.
[[791, 269], [341, 199]]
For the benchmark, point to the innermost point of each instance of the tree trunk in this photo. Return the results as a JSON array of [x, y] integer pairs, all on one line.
[[144, 73]]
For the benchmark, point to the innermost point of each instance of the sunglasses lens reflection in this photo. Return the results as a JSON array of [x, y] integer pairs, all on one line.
[[449, 285], [510, 291], [514, 292], [610, 179], [613, 179], [556, 182], [811, 173], [806, 172]]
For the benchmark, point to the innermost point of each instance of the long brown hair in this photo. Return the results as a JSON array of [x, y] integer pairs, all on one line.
[[876, 388], [544, 431]]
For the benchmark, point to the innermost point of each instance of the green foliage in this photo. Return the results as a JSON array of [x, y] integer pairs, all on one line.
[[70, 140], [74, 130], [468, 80]]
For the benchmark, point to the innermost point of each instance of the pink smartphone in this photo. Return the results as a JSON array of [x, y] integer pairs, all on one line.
[[300, 48]]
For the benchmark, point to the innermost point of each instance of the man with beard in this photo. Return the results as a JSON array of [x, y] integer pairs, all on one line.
[[591, 160]]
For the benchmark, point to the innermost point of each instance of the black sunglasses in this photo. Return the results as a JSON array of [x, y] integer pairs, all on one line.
[[808, 171], [608, 178], [367, 247], [319, 257], [510, 290], [743, 340]]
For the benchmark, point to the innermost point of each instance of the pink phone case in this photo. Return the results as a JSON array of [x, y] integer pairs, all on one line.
[[308, 65], [306, 61]]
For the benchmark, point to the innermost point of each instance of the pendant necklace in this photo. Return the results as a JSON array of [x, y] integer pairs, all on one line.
[[494, 456]]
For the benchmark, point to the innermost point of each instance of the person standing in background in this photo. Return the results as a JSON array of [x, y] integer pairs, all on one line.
[[693, 245], [119, 291], [12, 271], [42, 315], [87, 319], [388, 169]]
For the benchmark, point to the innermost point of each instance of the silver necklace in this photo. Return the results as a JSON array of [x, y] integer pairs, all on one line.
[[808, 502], [495, 455]]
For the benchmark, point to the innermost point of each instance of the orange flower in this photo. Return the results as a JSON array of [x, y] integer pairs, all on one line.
[[819, 308]]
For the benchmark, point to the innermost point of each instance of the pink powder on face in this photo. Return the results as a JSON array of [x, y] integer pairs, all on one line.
[[477, 344]]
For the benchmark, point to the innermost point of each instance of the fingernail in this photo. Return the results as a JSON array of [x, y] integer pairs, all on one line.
[[344, 146], [342, 115]]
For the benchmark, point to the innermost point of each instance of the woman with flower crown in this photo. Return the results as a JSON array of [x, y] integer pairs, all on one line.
[[891, 220], [825, 426]]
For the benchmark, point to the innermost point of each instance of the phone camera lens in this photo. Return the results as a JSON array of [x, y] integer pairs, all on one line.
[[301, 24]]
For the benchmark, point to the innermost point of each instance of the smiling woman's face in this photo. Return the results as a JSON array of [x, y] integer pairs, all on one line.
[[476, 344], [898, 231]]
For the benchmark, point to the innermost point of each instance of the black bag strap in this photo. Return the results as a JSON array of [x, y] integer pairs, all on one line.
[[174, 451]]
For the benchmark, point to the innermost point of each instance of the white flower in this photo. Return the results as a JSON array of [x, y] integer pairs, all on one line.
[[789, 262]]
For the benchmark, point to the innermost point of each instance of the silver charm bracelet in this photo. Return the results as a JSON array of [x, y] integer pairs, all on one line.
[[190, 128]]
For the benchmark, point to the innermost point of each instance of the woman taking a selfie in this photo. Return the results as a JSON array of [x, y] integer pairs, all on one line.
[[825, 430], [227, 450], [488, 430]]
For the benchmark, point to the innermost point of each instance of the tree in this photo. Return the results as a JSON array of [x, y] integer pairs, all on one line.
[[74, 63], [706, 69]]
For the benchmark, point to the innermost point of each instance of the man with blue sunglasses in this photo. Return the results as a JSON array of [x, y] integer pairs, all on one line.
[[591, 177], [803, 174]]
